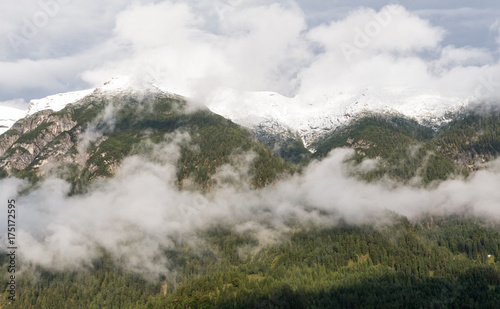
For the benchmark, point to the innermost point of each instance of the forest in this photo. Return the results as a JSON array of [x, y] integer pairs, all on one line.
[[436, 262]]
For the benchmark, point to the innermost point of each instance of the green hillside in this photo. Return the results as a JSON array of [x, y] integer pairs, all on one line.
[[406, 149]]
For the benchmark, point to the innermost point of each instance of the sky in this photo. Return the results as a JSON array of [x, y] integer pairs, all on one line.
[[303, 47]]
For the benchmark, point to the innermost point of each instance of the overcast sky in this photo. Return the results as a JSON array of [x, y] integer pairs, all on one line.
[[305, 47]]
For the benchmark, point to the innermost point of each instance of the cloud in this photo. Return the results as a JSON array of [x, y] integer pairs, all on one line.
[[54, 28], [197, 47], [385, 30], [495, 29], [452, 56], [16, 103], [254, 47], [271, 47], [140, 212], [384, 50]]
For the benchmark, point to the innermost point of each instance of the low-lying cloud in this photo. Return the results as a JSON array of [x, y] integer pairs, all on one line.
[[140, 212]]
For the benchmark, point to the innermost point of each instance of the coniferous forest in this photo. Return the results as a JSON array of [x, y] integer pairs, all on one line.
[[433, 263]]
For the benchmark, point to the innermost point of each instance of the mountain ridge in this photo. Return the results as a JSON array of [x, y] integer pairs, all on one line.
[[110, 119], [311, 120], [269, 113]]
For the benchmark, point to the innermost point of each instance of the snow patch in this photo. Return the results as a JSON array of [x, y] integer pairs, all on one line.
[[57, 102], [9, 116]]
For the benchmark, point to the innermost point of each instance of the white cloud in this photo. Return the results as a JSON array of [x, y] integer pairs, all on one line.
[[256, 48], [495, 29], [140, 211], [392, 29], [16, 103], [195, 47], [393, 49], [54, 28], [154, 25], [452, 56]]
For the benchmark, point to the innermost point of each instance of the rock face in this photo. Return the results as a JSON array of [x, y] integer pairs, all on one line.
[[49, 139], [34, 137]]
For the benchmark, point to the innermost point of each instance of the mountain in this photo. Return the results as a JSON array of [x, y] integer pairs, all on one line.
[[427, 142], [306, 257], [89, 138], [272, 114], [435, 262], [57, 102]]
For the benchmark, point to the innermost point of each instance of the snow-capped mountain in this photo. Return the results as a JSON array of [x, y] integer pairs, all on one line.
[[275, 114], [122, 85], [57, 102], [310, 120], [113, 120], [119, 85]]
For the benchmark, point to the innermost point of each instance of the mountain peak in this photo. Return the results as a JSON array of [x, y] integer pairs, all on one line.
[[124, 84]]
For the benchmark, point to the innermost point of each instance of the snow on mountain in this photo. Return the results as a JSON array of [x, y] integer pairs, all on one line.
[[127, 86], [57, 102], [272, 113], [8, 116], [121, 85], [310, 120]]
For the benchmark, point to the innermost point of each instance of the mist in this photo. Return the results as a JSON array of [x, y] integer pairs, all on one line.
[[140, 212]]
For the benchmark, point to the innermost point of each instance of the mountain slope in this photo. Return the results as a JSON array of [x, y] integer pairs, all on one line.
[[90, 138], [312, 118], [405, 150], [309, 258]]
